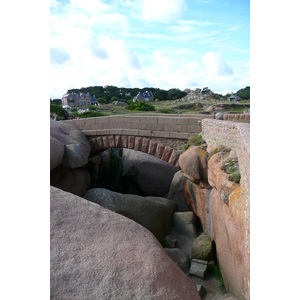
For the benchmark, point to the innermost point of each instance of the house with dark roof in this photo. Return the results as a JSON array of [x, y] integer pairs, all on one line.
[[81, 99], [143, 96], [234, 98]]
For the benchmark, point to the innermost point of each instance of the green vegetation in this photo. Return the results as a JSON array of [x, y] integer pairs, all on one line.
[[165, 110], [89, 114], [230, 167], [59, 111], [141, 106], [244, 94], [236, 177], [218, 275], [197, 141]]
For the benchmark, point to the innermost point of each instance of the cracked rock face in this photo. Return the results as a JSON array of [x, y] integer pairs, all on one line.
[[98, 254]]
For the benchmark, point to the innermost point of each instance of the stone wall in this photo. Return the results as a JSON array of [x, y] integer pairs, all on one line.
[[237, 117], [237, 216], [151, 125]]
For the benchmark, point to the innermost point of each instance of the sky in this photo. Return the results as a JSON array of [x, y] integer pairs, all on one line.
[[149, 43]]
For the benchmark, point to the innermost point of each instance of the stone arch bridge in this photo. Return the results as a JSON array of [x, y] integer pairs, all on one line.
[[156, 134]]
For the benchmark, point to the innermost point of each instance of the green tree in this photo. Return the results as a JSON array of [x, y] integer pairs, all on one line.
[[174, 94]]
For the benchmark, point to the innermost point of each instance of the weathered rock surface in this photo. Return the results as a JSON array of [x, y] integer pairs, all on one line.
[[219, 179], [193, 163], [76, 146], [189, 162], [57, 150], [219, 115], [176, 192], [154, 213], [185, 223], [197, 197], [228, 232], [179, 258], [152, 174], [75, 181], [98, 254], [202, 248]]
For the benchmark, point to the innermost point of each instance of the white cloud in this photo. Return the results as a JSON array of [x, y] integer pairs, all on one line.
[[54, 4], [181, 29], [162, 11], [215, 65], [91, 6], [59, 56]]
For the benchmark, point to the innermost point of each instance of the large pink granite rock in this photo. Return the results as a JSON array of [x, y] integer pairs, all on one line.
[[98, 254], [228, 232], [193, 163]]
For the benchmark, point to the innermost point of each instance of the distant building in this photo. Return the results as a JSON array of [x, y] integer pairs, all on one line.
[[234, 98], [143, 96], [78, 100]]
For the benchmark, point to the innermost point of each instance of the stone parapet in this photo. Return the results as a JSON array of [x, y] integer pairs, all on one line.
[[150, 122]]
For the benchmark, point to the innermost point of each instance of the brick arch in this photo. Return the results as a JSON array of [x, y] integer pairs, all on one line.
[[143, 144]]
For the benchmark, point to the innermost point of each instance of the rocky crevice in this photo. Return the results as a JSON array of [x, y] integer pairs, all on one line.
[[195, 187]]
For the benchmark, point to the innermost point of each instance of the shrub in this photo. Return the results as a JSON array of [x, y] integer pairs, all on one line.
[[91, 114], [165, 110], [58, 110], [91, 107], [141, 106], [197, 141], [236, 177]]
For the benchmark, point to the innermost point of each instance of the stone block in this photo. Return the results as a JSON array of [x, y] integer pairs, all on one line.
[[131, 142], [124, 139], [152, 147], [101, 120], [174, 157], [140, 126], [138, 143], [118, 141], [145, 133], [111, 141], [173, 127], [159, 150], [179, 135], [145, 145], [167, 153], [150, 120], [157, 127], [198, 268], [130, 132], [162, 134], [100, 142], [109, 125], [105, 141]]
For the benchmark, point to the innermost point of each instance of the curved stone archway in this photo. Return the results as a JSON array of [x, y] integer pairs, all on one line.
[[138, 143]]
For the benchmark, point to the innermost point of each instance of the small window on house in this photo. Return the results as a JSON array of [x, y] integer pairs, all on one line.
[[77, 103], [88, 103], [82, 103]]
